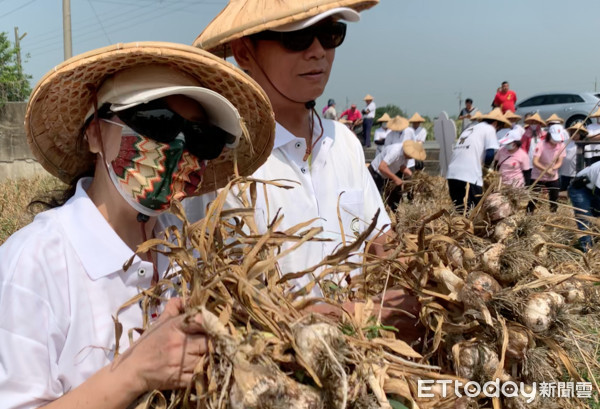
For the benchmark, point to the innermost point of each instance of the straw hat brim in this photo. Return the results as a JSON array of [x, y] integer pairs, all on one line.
[[414, 149], [535, 118], [59, 103], [416, 118], [492, 116], [241, 18], [384, 118], [397, 123]]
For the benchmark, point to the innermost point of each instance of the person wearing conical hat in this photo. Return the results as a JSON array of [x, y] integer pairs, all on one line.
[[391, 162], [534, 133], [144, 125], [368, 118], [514, 120], [466, 113], [289, 50], [415, 132], [568, 170], [381, 133], [475, 145], [511, 161]]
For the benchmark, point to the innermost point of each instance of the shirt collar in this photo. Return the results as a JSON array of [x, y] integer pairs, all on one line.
[[283, 136], [98, 246]]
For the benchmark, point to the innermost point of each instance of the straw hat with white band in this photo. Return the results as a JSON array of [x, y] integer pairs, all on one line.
[[535, 118], [61, 102], [241, 18], [555, 119]]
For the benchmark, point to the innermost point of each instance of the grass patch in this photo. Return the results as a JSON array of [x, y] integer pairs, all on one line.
[[15, 195]]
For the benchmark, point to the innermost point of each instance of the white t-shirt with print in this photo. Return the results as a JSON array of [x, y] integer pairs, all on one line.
[[469, 152]]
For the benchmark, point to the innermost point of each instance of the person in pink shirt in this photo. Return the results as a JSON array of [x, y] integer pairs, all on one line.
[[505, 98], [352, 114], [511, 161], [547, 159]]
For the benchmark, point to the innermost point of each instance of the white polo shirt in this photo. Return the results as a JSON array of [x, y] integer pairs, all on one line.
[[371, 107], [593, 174], [469, 151], [338, 168], [61, 282], [394, 137], [393, 155]]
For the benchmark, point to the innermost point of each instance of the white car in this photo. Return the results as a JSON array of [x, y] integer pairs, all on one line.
[[571, 106]]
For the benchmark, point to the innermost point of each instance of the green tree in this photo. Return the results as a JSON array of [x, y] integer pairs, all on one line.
[[392, 111], [14, 84]]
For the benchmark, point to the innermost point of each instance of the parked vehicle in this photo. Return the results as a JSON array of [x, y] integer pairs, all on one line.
[[571, 106]]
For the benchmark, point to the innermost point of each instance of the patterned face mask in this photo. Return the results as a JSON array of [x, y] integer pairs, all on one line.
[[150, 174]]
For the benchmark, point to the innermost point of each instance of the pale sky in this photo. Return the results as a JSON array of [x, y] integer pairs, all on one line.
[[421, 55]]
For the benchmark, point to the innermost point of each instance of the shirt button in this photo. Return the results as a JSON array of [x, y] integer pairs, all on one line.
[[303, 170], [298, 145], [141, 272]]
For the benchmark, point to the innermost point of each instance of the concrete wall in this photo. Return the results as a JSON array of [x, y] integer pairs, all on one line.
[[16, 160]]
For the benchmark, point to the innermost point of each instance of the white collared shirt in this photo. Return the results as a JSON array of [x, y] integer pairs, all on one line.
[[380, 135], [61, 281], [393, 155], [394, 137], [337, 167], [371, 107]]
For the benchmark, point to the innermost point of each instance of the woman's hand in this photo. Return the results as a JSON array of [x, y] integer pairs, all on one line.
[[166, 354]]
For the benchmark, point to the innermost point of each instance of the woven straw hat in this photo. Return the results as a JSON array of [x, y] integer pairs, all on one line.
[[242, 18], [414, 149], [368, 97], [497, 115], [555, 119], [476, 116], [596, 114], [510, 115], [384, 118], [60, 101], [580, 128], [397, 123], [535, 118], [416, 118]]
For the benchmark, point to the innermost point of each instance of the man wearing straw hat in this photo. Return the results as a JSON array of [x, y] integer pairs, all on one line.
[[289, 48], [475, 145], [368, 117], [415, 132], [381, 133], [145, 124]]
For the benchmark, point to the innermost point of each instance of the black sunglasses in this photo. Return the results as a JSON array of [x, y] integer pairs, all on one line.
[[157, 121], [330, 34]]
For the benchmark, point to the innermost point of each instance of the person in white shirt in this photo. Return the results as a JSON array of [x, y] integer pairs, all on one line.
[[391, 162], [584, 193], [395, 136], [133, 140], [415, 132], [381, 133], [330, 112], [514, 120], [475, 145], [568, 169], [368, 118], [324, 162], [592, 151]]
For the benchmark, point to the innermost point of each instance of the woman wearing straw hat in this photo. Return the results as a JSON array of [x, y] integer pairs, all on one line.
[[547, 160], [381, 133], [289, 50], [475, 145], [132, 127], [534, 133]]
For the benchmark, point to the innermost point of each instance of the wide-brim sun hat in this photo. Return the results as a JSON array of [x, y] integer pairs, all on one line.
[[511, 136], [368, 97], [416, 118], [60, 103], [414, 149], [555, 119], [397, 123], [384, 118], [596, 114], [241, 18], [535, 118], [476, 116], [511, 116], [496, 115]]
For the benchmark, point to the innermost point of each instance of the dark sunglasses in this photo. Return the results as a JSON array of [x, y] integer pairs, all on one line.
[[330, 35], [157, 121]]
